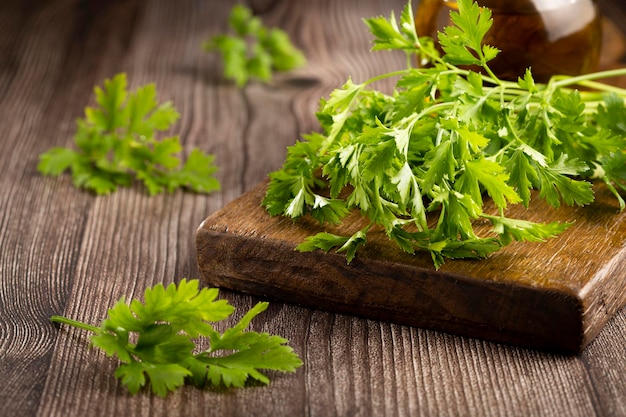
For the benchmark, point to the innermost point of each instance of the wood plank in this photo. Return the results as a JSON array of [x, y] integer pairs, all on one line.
[[555, 295]]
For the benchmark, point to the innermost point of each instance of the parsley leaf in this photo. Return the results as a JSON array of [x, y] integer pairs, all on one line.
[[117, 140], [462, 41], [327, 241], [253, 51], [447, 138], [154, 340]]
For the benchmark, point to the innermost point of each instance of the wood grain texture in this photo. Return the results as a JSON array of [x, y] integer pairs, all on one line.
[[64, 251]]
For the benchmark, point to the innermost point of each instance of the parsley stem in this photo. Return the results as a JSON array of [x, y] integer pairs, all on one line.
[[432, 109], [74, 323], [603, 87], [492, 75], [564, 81], [387, 75]]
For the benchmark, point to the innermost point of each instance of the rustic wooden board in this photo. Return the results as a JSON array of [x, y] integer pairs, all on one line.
[[555, 295]]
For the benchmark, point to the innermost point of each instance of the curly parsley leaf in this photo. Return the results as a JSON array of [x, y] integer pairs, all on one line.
[[117, 141], [253, 51], [420, 162], [156, 341]]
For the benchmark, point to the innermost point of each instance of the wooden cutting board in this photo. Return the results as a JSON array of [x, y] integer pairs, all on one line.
[[556, 295]]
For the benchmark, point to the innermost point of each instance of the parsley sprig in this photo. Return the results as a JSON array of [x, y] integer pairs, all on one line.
[[446, 139], [252, 50], [117, 141], [155, 341]]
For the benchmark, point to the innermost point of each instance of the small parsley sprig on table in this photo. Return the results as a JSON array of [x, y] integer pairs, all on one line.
[[117, 142], [253, 50], [155, 341], [446, 139]]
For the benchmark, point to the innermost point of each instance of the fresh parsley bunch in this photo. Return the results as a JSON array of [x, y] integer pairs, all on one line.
[[117, 142], [155, 341], [446, 139], [253, 51]]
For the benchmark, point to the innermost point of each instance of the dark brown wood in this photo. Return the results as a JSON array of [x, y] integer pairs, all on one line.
[[64, 251], [555, 295]]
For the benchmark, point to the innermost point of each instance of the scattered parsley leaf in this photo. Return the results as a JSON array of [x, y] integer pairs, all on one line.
[[448, 137], [154, 340], [117, 140], [253, 51]]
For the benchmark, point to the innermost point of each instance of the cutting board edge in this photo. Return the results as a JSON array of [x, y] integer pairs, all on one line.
[[604, 296]]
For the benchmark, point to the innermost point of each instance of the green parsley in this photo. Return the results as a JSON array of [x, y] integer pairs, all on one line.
[[154, 341], [117, 141], [253, 50], [447, 138]]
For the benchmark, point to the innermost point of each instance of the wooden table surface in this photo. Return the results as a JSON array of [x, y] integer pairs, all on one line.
[[65, 251]]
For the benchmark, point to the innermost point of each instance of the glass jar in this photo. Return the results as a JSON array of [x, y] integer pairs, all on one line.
[[552, 36]]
